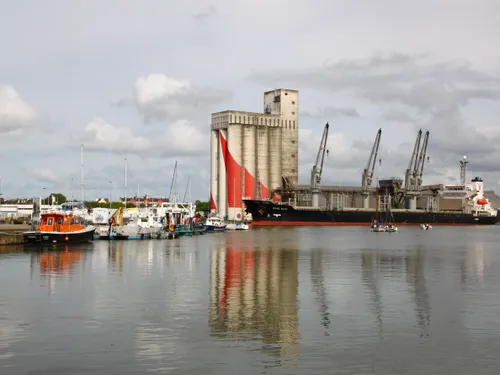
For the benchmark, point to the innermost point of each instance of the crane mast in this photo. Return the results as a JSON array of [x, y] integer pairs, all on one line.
[[421, 162], [367, 176], [414, 173], [318, 168]]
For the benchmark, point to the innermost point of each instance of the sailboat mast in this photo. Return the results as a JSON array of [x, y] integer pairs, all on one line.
[[186, 192], [81, 177], [172, 185], [138, 196], [125, 161]]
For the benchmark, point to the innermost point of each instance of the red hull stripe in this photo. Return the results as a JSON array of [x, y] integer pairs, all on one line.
[[336, 223]]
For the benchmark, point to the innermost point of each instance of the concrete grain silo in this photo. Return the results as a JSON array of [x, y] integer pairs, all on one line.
[[252, 153]]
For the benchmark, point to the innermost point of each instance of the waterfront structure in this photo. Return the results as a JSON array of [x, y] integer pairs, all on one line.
[[254, 154]]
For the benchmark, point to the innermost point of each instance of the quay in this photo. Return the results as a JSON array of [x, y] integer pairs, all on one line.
[[12, 234]]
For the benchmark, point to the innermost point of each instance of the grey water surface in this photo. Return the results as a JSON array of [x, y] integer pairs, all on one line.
[[266, 301]]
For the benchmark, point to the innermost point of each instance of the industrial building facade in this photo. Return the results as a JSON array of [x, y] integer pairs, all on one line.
[[253, 153]]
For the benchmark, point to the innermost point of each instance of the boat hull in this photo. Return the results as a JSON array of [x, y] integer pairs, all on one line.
[[85, 235], [270, 213], [211, 228]]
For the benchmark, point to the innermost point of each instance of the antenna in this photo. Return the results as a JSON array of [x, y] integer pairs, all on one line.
[[81, 178]]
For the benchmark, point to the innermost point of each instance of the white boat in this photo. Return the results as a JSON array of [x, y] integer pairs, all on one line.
[[391, 228], [377, 228], [239, 225], [215, 224], [425, 226]]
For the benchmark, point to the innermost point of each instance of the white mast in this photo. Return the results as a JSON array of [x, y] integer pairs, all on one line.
[[81, 178], [125, 160]]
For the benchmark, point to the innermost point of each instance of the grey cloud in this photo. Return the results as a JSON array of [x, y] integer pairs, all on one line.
[[437, 92], [210, 12], [159, 97], [327, 112], [398, 116]]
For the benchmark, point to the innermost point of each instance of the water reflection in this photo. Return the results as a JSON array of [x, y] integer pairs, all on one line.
[[58, 262], [415, 277], [318, 287], [370, 262], [253, 296]]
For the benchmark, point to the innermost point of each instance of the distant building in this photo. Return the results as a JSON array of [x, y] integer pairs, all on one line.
[[253, 154], [146, 200]]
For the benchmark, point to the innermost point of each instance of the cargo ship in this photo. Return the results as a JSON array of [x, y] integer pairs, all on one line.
[[478, 211]]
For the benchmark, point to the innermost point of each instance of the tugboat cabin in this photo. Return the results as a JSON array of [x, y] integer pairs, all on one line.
[[58, 222]]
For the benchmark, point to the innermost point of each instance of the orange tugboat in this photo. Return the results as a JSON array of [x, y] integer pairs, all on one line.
[[57, 227]]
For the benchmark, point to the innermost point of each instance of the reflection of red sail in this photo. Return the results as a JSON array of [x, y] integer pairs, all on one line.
[[232, 275], [60, 262]]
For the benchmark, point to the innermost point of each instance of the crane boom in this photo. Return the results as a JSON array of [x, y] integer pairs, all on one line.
[[410, 172], [367, 176], [419, 169], [317, 169]]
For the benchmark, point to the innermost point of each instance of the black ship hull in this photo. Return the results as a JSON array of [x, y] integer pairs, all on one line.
[[60, 237], [270, 213]]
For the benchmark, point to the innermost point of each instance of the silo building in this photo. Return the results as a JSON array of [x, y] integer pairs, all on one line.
[[253, 154]]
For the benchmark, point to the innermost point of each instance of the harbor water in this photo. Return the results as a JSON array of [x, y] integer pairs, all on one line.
[[264, 301]]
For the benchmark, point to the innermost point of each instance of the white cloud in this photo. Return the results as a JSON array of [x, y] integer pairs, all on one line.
[[16, 116], [160, 97], [102, 136], [180, 139]]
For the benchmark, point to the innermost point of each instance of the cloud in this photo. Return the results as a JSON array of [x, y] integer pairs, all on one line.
[[327, 112], [179, 139], [16, 116], [101, 136], [411, 89], [210, 12], [398, 116], [159, 97]]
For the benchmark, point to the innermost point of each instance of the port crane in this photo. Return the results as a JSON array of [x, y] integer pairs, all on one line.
[[367, 176], [317, 169], [415, 171]]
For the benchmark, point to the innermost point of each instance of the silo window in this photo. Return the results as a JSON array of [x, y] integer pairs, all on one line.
[[293, 113], [293, 155], [293, 170], [293, 142], [293, 103]]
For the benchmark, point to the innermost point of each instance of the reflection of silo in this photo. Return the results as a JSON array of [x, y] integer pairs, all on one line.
[[235, 139], [256, 293], [275, 157], [214, 169], [222, 197], [262, 162], [249, 160]]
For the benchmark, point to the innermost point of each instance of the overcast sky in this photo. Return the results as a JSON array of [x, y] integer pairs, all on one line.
[[139, 79]]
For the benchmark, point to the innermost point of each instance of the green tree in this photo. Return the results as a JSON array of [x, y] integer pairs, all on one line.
[[202, 206]]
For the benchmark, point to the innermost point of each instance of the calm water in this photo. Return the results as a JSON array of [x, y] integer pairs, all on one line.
[[268, 301]]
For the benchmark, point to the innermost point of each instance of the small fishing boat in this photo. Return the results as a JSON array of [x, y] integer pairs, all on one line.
[[425, 226], [60, 227], [239, 225], [215, 224]]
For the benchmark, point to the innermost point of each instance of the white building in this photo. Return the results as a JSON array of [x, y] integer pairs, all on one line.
[[253, 153]]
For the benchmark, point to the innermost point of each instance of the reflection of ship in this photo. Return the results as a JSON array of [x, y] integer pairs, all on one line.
[[255, 292], [59, 262]]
